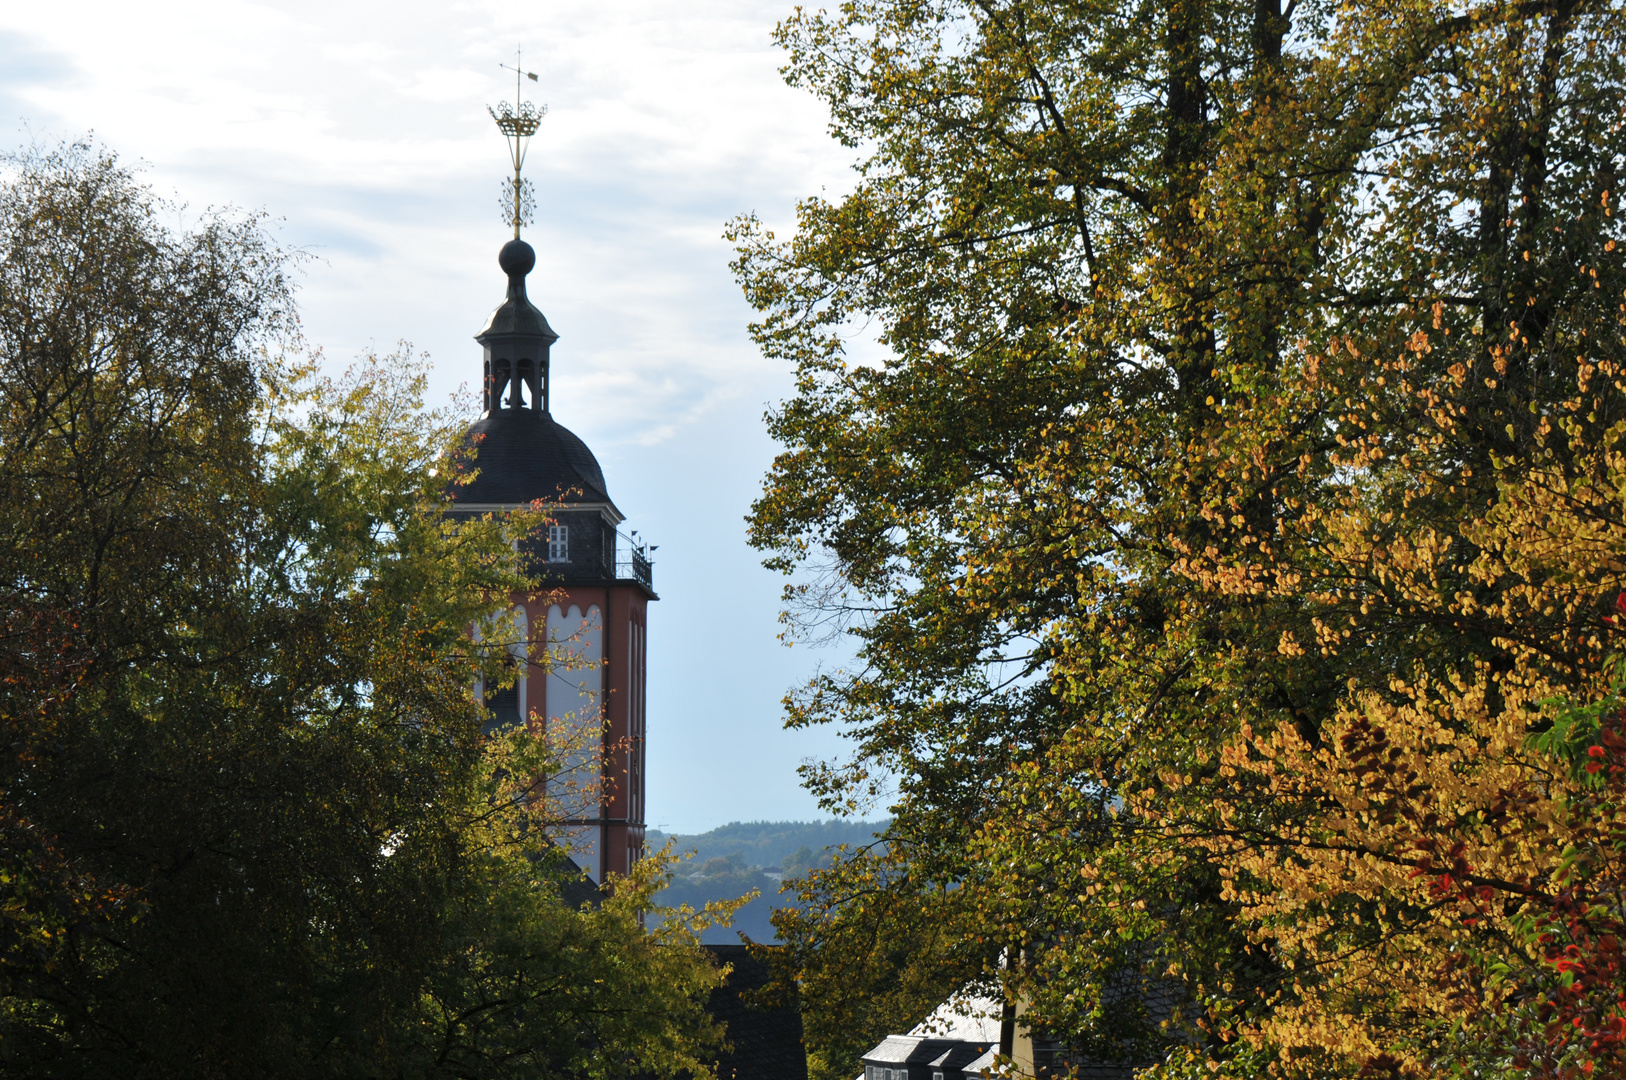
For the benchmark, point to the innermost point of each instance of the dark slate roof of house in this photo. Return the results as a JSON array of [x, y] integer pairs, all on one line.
[[766, 1044], [1073, 1070], [523, 455], [917, 1049], [968, 1022], [980, 1066], [959, 1055]]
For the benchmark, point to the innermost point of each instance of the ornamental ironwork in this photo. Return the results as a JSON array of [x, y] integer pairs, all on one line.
[[518, 122]]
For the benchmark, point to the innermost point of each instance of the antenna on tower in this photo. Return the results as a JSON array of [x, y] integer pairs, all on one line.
[[518, 122]]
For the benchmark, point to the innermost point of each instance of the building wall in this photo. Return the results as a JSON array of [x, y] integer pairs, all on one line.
[[586, 681]]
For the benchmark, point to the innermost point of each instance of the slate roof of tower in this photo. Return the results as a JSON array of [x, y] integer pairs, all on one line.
[[516, 314], [766, 1043], [576, 888], [523, 455]]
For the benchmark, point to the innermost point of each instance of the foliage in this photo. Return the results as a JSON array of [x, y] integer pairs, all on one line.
[[1461, 873], [249, 824], [800, 861], [1249, 373], [1576, 993]]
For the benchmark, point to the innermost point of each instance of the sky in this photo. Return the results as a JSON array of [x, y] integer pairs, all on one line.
[[361, 130]]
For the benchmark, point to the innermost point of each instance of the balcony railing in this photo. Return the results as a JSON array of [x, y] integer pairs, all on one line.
[[632, 560]]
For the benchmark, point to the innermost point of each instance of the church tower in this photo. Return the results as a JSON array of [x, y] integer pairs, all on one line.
[[580, 645]]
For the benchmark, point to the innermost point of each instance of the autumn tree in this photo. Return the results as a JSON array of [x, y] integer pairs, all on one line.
[[1454, 900], [250, 824], [1215, 340]]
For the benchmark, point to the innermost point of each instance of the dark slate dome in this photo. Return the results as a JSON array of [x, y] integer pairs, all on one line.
[[523, 455]]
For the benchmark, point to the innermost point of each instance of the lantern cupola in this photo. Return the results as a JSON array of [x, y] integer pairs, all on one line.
[[516, 340]]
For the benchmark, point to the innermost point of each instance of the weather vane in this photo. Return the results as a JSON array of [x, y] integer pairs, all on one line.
[[518, 123]]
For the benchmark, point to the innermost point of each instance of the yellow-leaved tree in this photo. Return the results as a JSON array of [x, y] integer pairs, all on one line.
[[1455, 895]]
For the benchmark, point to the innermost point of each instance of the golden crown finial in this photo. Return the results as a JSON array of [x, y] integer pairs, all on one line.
[[518, 122]]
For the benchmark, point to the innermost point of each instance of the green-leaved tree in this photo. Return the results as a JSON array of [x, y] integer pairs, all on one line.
[[1212, 334]]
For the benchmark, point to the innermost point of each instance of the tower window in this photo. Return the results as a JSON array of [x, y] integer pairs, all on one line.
[[558, 543]]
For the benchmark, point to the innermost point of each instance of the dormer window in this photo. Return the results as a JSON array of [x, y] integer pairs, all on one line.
[[558, 543]]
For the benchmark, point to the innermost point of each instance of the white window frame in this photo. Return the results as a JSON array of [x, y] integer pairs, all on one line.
[[558, 543]]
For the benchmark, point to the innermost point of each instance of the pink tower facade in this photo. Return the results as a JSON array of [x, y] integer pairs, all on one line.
[[581, 643]]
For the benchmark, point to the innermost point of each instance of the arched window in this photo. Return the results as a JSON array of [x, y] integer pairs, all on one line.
[[500, 374]]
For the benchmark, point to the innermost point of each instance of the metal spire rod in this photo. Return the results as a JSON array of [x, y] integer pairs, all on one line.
[[518, 123]]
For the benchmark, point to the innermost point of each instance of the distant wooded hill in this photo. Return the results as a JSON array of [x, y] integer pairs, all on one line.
[[733, 859]]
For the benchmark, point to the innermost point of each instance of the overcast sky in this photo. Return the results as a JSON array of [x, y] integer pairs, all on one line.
[[362, 128]]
